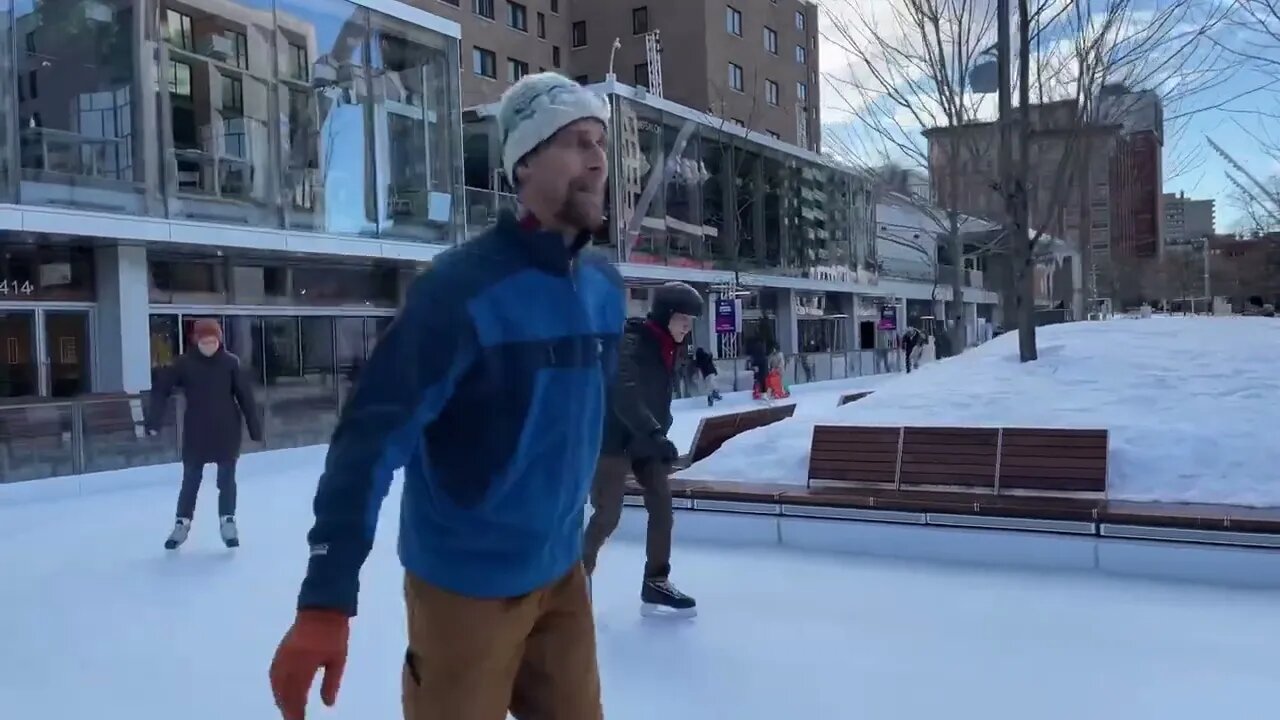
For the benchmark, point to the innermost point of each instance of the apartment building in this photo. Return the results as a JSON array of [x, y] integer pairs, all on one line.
[[1187, 220], [753, 63]]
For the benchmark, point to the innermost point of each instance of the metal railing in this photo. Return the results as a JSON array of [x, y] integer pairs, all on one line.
[[732, 374]]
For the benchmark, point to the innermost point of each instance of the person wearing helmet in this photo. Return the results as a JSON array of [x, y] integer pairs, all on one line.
[[635, 439]]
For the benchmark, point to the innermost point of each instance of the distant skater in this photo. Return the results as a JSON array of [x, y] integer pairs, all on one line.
[[635, 439], [218, 400]]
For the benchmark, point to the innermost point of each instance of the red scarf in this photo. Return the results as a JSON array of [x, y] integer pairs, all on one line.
[[666, 343]]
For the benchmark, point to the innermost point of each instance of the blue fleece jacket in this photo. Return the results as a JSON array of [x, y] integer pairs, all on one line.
[[489, 390]]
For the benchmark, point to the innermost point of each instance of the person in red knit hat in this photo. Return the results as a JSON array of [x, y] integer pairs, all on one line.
[[218, 400]]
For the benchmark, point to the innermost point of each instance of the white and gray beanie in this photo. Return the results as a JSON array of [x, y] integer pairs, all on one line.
[[536, 107]]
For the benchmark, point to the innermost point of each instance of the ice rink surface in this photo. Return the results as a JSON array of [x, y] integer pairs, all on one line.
[[98, 621]]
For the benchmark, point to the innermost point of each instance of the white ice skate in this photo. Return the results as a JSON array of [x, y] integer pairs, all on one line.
[[181, 528], [230, 535]]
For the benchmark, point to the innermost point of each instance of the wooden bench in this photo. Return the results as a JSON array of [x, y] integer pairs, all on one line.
[[1052, 461], [852, 397], [716, 430]]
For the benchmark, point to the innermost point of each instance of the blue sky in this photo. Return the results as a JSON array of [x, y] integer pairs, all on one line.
[[1224, 105]]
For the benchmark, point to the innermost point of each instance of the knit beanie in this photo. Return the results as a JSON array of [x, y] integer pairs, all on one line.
[[201, 329], [536, 107]]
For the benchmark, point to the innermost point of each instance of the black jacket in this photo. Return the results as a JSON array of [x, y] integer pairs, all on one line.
[[218, 399], [640, 400]]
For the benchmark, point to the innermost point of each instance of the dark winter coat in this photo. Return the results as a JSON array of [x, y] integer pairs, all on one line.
[[704, 362], [640, 401], [218, 399]]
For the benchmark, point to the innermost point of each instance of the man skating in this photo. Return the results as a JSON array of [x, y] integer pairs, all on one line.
[[635, 439], [490, 390], [219, 400], [912, 342]]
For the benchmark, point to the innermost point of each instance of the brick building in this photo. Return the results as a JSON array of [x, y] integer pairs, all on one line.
[[752, 62]]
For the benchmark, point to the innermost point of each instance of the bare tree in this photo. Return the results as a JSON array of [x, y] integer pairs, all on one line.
[[907, 70], [911, 71]]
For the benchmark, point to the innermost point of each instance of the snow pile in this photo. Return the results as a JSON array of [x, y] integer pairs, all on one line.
[[1192, 405]]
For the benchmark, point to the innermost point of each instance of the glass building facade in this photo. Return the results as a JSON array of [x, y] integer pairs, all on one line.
[[307, 115], [694, 191]]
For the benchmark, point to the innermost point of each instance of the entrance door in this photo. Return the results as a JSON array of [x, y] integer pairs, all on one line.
[[19, 374], [66, 349]]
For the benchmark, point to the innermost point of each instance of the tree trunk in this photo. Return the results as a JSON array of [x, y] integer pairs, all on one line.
[[1085, 236], [1027, 287], [955, 248]]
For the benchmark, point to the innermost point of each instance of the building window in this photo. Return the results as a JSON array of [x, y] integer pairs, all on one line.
[[542, 26], [516, 69], [180, 78], [802, 92], [642, 75], [735, 76], [799, 19], [518, 16], [483, 8], [180, 34], [232, 94], [555, 6], [580, 34], [773, 135], [455, 3], [771, 92], [801, 56], [555, 56], [733, 20], [771, 40], [299, 63], [484, 63], [240, 45], [640, 20]]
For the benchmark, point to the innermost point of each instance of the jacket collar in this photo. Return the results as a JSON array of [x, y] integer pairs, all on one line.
[[544, 248]]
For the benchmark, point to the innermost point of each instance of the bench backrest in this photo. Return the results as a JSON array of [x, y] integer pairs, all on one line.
[[1053, 460], [717, 430], [866, 456], [952, 457], [852, 397], [986, 460]]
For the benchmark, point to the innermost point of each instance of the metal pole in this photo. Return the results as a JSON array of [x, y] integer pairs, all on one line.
[[1208, 293]]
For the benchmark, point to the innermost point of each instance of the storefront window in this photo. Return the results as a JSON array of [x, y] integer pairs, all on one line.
[[218, 157], [640, 156], [686, 235], [188, 282], [413, 125], [46, 272], [329, 176], [79, 115]]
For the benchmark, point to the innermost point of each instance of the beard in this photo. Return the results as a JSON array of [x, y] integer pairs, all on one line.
[[583, 206]]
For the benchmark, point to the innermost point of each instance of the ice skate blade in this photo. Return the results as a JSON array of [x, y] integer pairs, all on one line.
[[652, 610]]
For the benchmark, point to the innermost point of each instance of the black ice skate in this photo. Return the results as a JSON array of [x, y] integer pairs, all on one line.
[[659, 598], [230, 535], [181, 529]]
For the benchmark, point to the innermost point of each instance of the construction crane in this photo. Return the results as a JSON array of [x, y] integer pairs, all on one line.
[[1270, 207]]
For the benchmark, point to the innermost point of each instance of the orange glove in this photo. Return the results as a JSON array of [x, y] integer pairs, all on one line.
[[318, 639]]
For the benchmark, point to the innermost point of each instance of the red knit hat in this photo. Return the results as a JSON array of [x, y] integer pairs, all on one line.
[[206, 328]]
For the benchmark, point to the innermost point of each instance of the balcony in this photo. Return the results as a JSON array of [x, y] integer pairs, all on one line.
[[234, 115]]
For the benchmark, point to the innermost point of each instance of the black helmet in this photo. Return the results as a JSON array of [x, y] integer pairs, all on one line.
[[675, 297]]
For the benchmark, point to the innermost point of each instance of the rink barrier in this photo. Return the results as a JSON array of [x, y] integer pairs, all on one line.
[[1164, 522]]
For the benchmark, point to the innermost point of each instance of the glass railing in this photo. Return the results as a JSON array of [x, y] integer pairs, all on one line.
[[94, 433], [483, 208], [732, 374]]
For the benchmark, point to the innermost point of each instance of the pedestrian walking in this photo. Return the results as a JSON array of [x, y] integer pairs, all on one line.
[[705, 366]]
